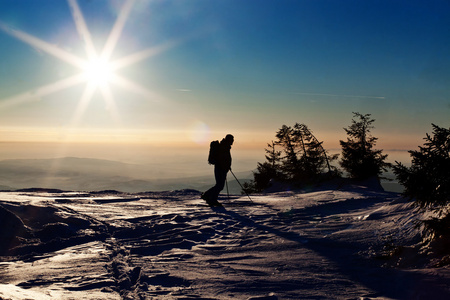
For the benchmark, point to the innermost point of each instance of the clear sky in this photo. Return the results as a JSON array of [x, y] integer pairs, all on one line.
[[190, 71]]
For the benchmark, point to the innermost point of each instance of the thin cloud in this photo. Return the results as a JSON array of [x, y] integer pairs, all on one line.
[[339, 95]]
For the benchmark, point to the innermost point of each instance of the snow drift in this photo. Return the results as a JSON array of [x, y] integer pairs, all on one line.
[[350, 242]]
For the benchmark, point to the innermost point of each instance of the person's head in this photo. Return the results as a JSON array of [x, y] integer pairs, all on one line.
[[229, 139]]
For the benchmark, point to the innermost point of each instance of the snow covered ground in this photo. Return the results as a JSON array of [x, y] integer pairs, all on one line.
[[347, 242]]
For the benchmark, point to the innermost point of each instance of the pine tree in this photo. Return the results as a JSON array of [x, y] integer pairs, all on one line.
[[427, 181], [267, 171], [273, 156], [289, 144], [359, 158], [311, 160], [302, 159]]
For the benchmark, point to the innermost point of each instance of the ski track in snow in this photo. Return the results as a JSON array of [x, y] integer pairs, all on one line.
[[323, 244]]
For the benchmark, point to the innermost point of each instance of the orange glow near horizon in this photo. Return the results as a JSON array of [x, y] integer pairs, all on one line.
[[188, 138]]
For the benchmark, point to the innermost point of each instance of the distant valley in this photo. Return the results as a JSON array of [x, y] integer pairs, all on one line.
[[86, 174]]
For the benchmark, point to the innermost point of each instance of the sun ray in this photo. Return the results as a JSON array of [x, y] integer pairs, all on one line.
[[117, 30], [38, 43], [42, 91], [83, 103], [136, 88], [141, 55], [110, 104], [82, 29]]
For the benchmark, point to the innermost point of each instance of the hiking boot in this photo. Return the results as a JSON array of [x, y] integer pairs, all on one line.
[[214, 203]]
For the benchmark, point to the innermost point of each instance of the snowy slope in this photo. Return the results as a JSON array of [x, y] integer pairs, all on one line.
[[322, 244]]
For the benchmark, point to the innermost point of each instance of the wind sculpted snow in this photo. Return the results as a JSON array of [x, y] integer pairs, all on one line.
[[351, 243]]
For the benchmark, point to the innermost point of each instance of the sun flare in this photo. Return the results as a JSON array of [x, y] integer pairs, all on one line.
[[98, 71]]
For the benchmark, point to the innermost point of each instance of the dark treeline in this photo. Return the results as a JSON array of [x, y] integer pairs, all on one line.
[[296, 158]]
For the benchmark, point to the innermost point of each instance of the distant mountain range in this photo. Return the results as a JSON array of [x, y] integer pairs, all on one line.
[[87, 174]]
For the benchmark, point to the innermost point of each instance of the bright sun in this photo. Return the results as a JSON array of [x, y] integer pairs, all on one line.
[[98, 71]]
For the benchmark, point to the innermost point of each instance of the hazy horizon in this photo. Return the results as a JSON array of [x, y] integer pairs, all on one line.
[[194, 159], [83, 170]]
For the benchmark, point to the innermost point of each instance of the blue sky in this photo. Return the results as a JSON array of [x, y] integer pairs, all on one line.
[[241, 67]]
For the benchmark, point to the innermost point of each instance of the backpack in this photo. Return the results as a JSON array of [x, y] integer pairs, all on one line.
[[213, 152]]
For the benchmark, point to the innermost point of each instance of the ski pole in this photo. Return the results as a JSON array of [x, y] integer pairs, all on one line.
[[228, 192], [241, 186]]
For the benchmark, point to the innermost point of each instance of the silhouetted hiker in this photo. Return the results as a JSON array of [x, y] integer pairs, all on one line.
[[220, 156]]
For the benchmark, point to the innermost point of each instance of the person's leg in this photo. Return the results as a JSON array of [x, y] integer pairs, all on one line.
[[210, 194], [221, 177]]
